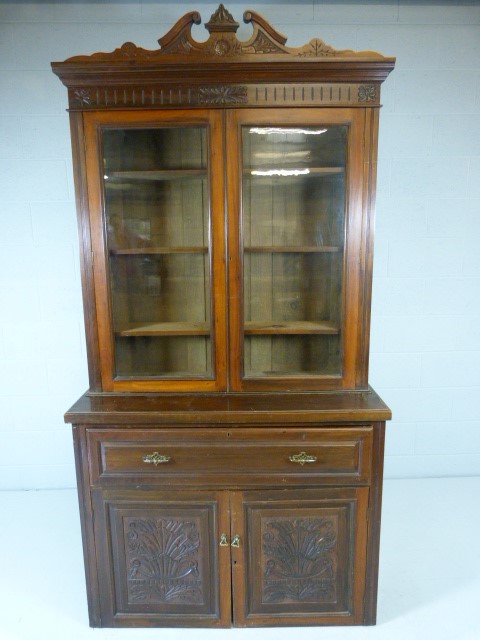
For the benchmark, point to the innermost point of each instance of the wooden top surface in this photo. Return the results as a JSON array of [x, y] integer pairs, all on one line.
[[229, 408]]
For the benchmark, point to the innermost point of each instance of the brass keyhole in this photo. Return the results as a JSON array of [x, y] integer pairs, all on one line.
[[236, 541], [223, 540]]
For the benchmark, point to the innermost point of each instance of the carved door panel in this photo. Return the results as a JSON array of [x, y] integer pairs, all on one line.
[[301, 558], [160, 560]]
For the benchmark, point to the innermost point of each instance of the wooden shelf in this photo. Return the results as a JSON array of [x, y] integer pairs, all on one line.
[[164, 329], [156, 175], [145, 251], [294, 327], [168, 375], [290, 327], [293, 249], [326, 373]]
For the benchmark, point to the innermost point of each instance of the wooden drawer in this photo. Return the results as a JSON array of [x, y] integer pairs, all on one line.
[[233, 457]]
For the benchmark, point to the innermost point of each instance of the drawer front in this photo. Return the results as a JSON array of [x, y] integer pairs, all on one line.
[[234, 457]]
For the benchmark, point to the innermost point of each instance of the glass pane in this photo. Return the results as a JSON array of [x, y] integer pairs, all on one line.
[[157, 221], [293, 199]]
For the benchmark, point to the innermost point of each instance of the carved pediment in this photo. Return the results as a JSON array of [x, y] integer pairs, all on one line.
[[223, 42]]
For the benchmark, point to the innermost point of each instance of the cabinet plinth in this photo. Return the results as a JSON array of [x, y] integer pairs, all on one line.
[[229, 451]]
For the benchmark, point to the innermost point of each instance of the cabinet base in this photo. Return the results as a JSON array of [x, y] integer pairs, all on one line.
[[175, 519]]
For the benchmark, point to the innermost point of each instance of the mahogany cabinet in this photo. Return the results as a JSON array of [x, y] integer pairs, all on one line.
[[176, 557], [229, 450]]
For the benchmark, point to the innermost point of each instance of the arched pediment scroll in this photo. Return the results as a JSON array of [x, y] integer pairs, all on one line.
[[223, 42]]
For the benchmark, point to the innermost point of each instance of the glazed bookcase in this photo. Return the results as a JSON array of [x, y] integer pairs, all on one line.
[[229, 451]]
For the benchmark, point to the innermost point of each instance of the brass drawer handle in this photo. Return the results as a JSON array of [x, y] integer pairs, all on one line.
[[302, 458], [236, 541], [223, 540], [156, 458]]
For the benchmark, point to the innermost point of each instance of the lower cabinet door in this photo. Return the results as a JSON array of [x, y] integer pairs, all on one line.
[[159, 560], [169, 558], [300, 557]]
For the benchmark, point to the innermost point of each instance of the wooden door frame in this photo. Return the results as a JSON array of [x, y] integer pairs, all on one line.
[[356, 499], [355, 245], [104, 499], [213, 120]]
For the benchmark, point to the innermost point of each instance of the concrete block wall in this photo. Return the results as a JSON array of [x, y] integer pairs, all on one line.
[[426, 309]]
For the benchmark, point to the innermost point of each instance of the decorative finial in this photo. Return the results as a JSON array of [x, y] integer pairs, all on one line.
[[221, 20]]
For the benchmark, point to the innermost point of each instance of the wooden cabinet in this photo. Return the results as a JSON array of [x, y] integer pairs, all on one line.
[[162, 236], [229, 450], [173, 559]]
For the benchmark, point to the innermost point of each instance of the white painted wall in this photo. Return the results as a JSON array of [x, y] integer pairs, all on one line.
[[426, 302]]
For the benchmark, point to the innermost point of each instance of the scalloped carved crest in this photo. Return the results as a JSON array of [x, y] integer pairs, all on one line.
[[162, 560], [223, 42], [300, 560]]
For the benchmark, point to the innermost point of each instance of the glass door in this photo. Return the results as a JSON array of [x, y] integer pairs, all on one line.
[[294, 199], [158, 197]]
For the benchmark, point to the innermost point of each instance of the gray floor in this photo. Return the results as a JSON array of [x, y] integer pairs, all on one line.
[[429, 572]]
